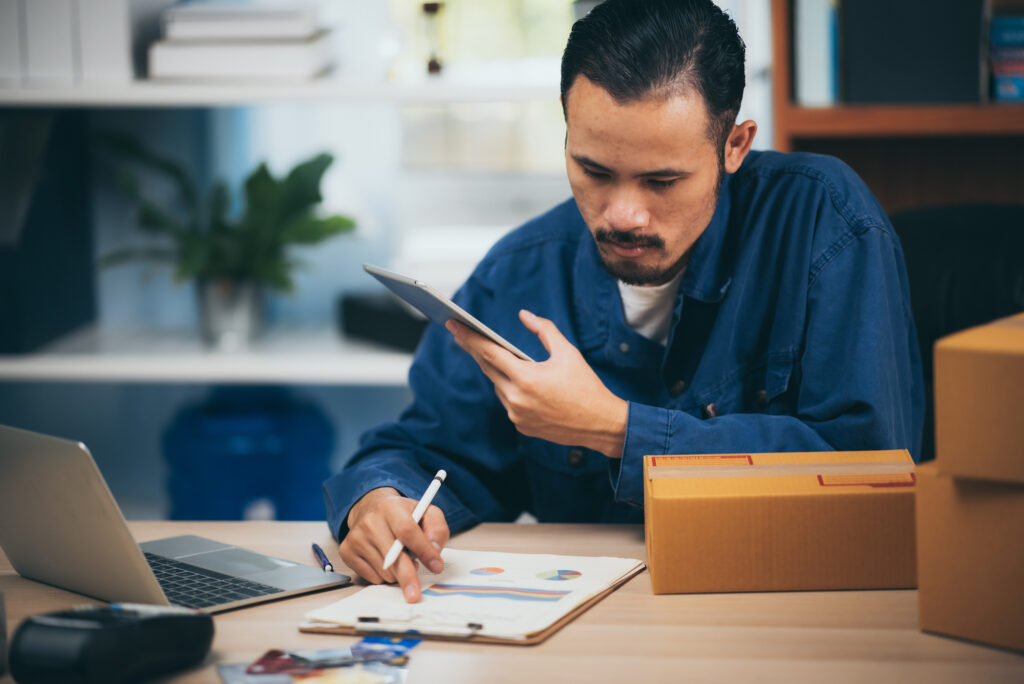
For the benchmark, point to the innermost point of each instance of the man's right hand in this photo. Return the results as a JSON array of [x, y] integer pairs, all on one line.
[[375, 522]]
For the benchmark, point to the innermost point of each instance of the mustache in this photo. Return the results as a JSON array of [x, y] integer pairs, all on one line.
[[628, 238]]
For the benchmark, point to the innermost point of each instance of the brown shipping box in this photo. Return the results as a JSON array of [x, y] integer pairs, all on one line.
[[979, 401], [789, 521], [970, 544], [971, 557]]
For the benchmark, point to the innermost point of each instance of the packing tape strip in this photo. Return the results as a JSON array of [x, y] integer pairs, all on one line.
[[1012, 322], [780, 470]]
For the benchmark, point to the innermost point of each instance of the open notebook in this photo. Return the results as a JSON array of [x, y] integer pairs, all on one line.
[[482, 596]]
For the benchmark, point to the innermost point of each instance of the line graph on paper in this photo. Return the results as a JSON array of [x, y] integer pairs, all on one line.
[[492, 592]]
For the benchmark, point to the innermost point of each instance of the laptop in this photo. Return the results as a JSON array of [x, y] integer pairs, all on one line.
[[59, 524]]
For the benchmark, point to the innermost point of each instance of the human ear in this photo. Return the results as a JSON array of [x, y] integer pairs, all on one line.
[[738, 144]]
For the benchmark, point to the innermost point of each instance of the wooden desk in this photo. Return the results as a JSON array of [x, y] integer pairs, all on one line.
[[632, 635]]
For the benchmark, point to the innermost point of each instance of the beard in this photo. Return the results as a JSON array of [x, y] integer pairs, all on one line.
[[639, 274], [627, 271]]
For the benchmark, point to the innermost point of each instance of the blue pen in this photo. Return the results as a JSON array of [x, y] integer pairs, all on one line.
[[320, 556]]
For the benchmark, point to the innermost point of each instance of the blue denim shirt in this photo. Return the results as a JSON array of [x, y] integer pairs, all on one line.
[[792, 319]]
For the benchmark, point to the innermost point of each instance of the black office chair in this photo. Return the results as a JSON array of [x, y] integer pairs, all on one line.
[[965, 265]]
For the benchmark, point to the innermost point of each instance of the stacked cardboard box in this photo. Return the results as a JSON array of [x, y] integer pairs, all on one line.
[[776, 522], [970, 501]]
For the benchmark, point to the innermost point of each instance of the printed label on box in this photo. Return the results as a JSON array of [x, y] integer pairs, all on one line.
[[702, 460]]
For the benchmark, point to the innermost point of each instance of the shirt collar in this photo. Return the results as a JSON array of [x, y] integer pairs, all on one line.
[[708, 275], [596, 293]]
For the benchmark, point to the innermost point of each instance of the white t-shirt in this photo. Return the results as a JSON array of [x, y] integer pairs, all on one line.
[[648, 309]]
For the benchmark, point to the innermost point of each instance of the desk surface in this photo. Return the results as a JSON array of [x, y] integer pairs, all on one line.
[[632, 635]]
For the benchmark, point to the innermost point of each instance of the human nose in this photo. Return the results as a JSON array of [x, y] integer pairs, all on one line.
[[625, 210]]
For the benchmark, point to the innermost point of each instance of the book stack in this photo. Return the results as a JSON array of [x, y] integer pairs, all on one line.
[[1006, 56], [65, 42], [222, 41]]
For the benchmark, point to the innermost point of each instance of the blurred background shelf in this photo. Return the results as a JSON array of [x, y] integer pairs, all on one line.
[[531, 81], [290, 356]]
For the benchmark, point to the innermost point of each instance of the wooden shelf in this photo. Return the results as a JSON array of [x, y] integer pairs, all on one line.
[[794, 123], [910, 156], [858, 121], [286, 356]]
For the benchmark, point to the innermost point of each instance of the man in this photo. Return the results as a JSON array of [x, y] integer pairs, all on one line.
[[694, 297]]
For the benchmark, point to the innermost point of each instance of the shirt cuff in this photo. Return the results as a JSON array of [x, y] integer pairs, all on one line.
[[648, 431], [337, 516]]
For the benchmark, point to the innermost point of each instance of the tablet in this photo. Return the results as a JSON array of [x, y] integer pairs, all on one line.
[[436, 306]]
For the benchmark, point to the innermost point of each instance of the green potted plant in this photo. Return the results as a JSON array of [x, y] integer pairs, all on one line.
[[232, 261]]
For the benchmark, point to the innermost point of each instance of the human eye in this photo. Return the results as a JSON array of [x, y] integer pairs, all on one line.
[[661, 183], [593, 173]]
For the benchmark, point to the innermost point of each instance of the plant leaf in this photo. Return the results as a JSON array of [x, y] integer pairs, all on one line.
[[128, 184], [153, 219], [300, 190], [220, 199], [193, 256], [132, 150], [277, 274], [261, 191], [209, 244], [309, 230]]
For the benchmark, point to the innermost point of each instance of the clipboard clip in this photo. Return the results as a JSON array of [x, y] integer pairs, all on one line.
[[396, 625]]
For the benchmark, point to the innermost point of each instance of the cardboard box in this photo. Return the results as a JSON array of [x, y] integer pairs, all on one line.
[[970, 558], [770, 522], [979, 401]]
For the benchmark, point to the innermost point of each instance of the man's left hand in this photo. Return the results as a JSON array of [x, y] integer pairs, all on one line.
[[561, 399]]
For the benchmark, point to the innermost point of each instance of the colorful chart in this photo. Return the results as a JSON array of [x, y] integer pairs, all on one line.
[[511, 593], [559, 575], [487, 571]]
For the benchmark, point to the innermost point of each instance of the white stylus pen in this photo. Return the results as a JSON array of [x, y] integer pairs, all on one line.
[[417, 515]]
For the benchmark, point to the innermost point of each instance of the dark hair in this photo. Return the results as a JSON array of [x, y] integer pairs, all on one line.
[[636, 49]]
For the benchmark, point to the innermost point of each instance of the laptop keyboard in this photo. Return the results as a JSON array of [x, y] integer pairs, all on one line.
[[193, 587]]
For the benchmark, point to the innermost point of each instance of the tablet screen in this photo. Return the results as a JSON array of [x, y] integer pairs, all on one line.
[[436, 306]]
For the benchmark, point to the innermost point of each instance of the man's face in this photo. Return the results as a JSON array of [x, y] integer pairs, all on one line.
[[645, 176]]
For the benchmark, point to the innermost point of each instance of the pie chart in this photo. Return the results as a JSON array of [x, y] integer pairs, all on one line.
[[559, 575]]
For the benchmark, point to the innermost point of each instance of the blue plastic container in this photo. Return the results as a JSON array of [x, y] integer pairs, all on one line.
[[244, 445]]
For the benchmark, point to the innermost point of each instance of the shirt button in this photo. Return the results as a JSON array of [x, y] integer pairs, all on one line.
[[762, 398], [678, 387], [710, 411], [624, 348], [576, 457]]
